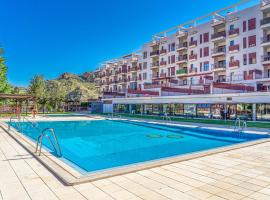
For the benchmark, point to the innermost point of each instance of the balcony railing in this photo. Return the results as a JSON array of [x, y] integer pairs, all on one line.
[[234, 63], [192, 57], [193, 43], [220, 49], [154, 53], [162, 51], [162, 63], [193, 70], [265, 21], [181, 71], [265, 39], [162, 75], [234, 31], [218, 35], [182, 58], [265, 58], [182, 45], [219, 65], [132, 69], [234, 47], [154, 64]]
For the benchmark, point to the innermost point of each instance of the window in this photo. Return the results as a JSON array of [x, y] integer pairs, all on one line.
[[244, 59], [232, 43], [172, 71], [252, 58], [169, 59], [252, 41], [173, 47], [244, 26], [206, 37], [200, 38], [191, 39], [200, 52], [144, 76], [206, 66], [244, 42], [144, 65], [231, 27], [252, 24], [200, 67], [206, 51], [144, 54], [173, 59]]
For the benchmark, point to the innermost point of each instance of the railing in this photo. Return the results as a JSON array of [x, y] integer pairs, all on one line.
[[234, 47], [234, 31], [239, 125], [192, 57], [234, 63], [162, 51], [154, 53], [162, 63], [265, 39], [265, 21], [220, 49], [182, 58], [193, 43], [265, 58], [219, 65], [40, 141], [181, 71], [181, 45], [154, 64], [218, 34]]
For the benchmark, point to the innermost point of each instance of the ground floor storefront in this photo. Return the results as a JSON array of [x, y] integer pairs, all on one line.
[[216, 111]]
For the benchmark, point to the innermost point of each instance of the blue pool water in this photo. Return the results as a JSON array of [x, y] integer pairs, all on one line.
[[103, 144]]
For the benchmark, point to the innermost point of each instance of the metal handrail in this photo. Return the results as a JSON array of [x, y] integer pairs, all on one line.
[[17, 123], [40, 141], [238, 126]]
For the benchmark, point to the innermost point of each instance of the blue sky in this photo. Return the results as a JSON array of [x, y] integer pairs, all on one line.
[[50, 37]]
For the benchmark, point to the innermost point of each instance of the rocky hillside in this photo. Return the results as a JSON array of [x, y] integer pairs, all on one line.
[[76, 86]]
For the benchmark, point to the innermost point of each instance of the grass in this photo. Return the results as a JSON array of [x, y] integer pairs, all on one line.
[[202, 121]]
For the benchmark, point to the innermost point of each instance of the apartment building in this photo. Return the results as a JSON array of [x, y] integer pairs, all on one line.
[[224, 52]]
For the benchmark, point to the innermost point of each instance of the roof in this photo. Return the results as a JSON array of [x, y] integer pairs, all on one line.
[[16, 96]]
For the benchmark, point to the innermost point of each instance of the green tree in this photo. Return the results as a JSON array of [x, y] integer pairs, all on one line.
[[56, 94], [37, 88], [4, 85]]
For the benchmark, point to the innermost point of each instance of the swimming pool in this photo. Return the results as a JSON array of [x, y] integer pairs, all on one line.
[[104, 144]]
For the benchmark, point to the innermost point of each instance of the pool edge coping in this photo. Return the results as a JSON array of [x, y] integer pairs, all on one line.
[[70, 176]]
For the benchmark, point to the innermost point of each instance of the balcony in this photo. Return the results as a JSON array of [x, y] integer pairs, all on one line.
[[266, 59], [265, 41], [181, 46], [162, 63], [133, 79], [219, 66], [162, 75], [216, 22], [265, 22], [234, 48], [154, 65], [133, 69], [265, 5], [122, 81], [181, 72], [181, 34], [193, 70], [192, 43], [218, 36], [233, 32], [163, 51], [192, 57], [181, 59], [234, 64], [154, 53], [219, 51]]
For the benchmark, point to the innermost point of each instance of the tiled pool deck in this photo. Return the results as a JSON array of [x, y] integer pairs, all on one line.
[[237, 174]]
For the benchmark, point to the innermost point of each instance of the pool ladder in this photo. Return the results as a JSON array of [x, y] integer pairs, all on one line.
[[44, 134], [239, 126], [166, 117]]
